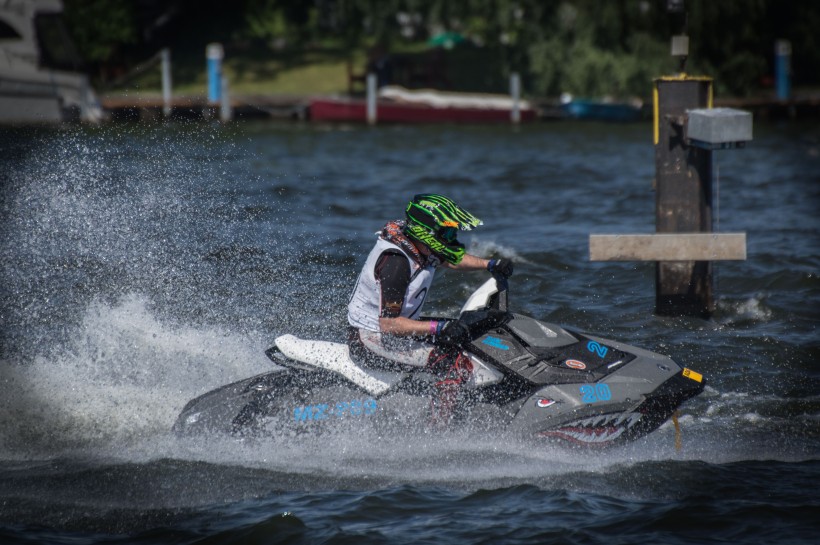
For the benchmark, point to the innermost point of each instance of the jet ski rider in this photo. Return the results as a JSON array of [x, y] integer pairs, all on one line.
[[384, 310]]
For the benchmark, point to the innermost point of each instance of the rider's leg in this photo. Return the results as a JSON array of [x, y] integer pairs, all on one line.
[[453, 369], [368, 346]]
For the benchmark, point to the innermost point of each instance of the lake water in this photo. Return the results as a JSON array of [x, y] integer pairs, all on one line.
[[143, 265]]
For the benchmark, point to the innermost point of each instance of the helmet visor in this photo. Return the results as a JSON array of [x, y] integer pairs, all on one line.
[[448, 234]]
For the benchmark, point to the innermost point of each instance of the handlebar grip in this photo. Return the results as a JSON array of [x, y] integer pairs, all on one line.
[[501, 299]]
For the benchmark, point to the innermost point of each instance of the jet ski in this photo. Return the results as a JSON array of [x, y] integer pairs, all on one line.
[[530, 379]]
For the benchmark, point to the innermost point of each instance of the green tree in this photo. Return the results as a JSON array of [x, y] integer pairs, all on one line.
[[100, 28], [587, 47], [277, 20]]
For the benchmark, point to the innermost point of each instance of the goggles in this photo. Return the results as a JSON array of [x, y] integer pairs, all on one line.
[[447, 234]]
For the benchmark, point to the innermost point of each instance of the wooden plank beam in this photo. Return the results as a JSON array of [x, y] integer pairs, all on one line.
[[668, 247]]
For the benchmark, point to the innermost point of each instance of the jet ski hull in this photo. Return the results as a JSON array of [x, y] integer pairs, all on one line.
[[294, 400], [530, 379]]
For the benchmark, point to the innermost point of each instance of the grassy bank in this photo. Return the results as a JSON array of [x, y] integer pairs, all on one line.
[[322, 70], [319, 71]]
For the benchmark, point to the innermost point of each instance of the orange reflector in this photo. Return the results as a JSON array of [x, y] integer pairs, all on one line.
[[694, 375]]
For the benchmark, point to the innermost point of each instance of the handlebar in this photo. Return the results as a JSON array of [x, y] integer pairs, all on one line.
[[501, 300], [493, 314]]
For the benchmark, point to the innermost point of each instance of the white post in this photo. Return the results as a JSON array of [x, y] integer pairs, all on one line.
[[371, 99], [515, 92], [165, 55], [225, 110]]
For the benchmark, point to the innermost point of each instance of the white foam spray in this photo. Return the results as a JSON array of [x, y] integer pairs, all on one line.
[[122, 378]]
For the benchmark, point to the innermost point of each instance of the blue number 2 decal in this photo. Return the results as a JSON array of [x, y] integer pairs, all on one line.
[[592, 393], [596, 348]]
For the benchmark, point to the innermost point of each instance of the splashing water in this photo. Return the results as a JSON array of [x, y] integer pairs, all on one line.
[[144, 266]]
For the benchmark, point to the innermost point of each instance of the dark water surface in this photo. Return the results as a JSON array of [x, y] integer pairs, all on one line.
[[145, 265]]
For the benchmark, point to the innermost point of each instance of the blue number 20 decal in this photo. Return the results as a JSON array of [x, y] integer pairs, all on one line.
[[597, 348], [592, 393]]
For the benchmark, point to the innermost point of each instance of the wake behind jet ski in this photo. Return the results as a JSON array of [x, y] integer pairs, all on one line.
[[530, 379]]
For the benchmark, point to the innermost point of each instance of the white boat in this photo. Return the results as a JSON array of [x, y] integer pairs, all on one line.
[[40, 78]]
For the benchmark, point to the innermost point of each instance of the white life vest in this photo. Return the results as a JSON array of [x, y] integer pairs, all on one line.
[[364, 308]]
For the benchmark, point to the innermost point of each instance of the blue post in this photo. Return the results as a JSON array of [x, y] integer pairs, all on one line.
[[214, 54], [782, 69]]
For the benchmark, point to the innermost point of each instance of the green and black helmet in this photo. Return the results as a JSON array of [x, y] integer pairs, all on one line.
[[434, 220]]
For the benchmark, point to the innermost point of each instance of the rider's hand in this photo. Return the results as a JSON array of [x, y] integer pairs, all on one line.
[[453, 333], [498, 317], [502, 267]]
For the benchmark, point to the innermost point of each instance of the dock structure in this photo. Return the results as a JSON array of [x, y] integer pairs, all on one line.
[[218, 103], [686, 132], [683, 198], [182, 107], [149, 107]]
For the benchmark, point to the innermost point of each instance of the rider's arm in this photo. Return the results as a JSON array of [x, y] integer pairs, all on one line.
[[406, 327], [469, 263], [393, 273]]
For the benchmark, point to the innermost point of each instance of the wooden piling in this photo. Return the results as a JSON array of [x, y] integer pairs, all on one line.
[[683, 183], [686, 131]]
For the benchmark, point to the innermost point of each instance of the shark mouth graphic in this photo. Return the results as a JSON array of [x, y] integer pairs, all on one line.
[[595, 430]]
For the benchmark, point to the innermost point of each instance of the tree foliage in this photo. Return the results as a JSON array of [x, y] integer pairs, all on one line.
[[586, 47], [101, 28]]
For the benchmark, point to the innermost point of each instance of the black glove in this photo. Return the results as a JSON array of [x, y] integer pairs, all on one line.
[[498, 317], [454, 333], [502, 267]]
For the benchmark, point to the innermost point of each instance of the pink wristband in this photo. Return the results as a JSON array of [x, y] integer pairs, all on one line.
[[433, 327]]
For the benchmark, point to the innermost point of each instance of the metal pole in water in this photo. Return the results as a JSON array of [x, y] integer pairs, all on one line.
[[165, 56], [225, 110], [782, 68], [371, 99], [515, 92]]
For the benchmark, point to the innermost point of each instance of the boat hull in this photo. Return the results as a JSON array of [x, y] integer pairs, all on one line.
[[355, 111]]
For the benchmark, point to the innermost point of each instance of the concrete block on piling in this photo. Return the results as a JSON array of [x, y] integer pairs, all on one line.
[[718, 126]]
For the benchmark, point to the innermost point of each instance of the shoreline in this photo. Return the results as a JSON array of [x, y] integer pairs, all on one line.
[[148, 107]]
